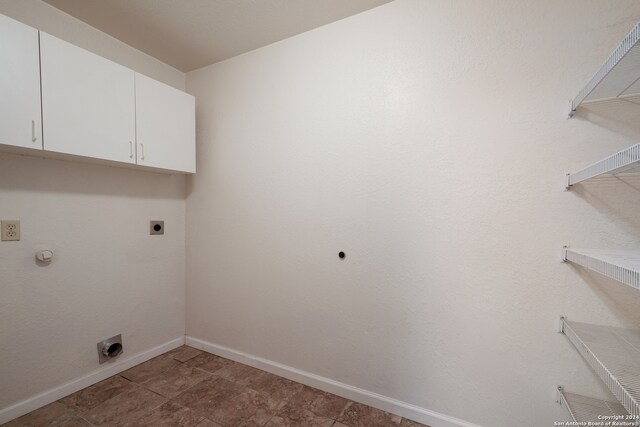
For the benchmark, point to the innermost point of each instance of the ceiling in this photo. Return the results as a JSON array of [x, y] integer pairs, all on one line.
[[190, 34]]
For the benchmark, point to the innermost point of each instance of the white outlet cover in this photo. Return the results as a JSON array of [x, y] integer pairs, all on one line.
[[10, 230]]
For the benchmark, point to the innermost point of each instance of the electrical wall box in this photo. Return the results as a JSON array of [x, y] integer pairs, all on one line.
[[156, 227], [10, 230]]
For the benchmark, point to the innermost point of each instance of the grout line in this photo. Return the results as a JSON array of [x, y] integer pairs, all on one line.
[[81, 416]]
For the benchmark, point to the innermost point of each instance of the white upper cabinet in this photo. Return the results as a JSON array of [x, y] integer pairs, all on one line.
[[165, 126], [65, 101], [20, 117], [88, 104]]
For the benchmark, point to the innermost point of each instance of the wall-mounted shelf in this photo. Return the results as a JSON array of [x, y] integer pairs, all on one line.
[[623, 266], [618, 77], [584, 409], [622, 161], [614, 353]]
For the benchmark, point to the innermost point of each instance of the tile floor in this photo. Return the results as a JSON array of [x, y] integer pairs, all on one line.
[[188, 387]]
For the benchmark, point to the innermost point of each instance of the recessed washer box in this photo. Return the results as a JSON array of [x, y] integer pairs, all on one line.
[[110, 349], [156, 227]]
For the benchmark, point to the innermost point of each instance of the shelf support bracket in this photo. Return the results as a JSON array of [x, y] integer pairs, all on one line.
[[561, 324], [559, 391], [567, 184], [571, 109]]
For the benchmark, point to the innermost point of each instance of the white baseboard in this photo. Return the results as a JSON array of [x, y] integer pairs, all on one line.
[[50, 396], [407, 410]]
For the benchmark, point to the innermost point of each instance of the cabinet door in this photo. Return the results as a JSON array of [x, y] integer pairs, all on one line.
[[88, 103], [165, 126], [20, 117]]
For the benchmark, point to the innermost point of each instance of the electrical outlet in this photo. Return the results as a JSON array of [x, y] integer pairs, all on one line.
[[10, 230]]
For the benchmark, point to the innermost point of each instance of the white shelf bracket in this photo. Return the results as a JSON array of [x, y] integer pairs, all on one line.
[[561, 324], [567, 182], [559, 391], [564, 253], [571, 109]]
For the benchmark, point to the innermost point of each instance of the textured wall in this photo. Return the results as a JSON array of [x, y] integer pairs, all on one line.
[[108, 275], [428, 140]]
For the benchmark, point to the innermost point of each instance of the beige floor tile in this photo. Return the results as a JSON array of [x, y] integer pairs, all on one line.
[[277, 387], [302, 418], [240, 374], [208, 396], [207, 423], [76, 422], [174, 381], [317, 401], [184, 353], [150, 368], [54, 414], [249, 423], [125, 408], [247, 406], [359, 415], [209, 362], [190, 388], [171, 414], [94, 395]]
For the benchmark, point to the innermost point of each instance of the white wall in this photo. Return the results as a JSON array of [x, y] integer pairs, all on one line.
[[108, 275], [428, 140]]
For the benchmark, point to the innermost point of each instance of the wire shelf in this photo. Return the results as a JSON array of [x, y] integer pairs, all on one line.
[[614, 354], [618, 77], [623, 266], [584, 409], [622, 161]]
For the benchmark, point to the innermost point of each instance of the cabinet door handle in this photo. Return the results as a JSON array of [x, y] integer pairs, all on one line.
[[130, 149], [33, 131], [142, 147]]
